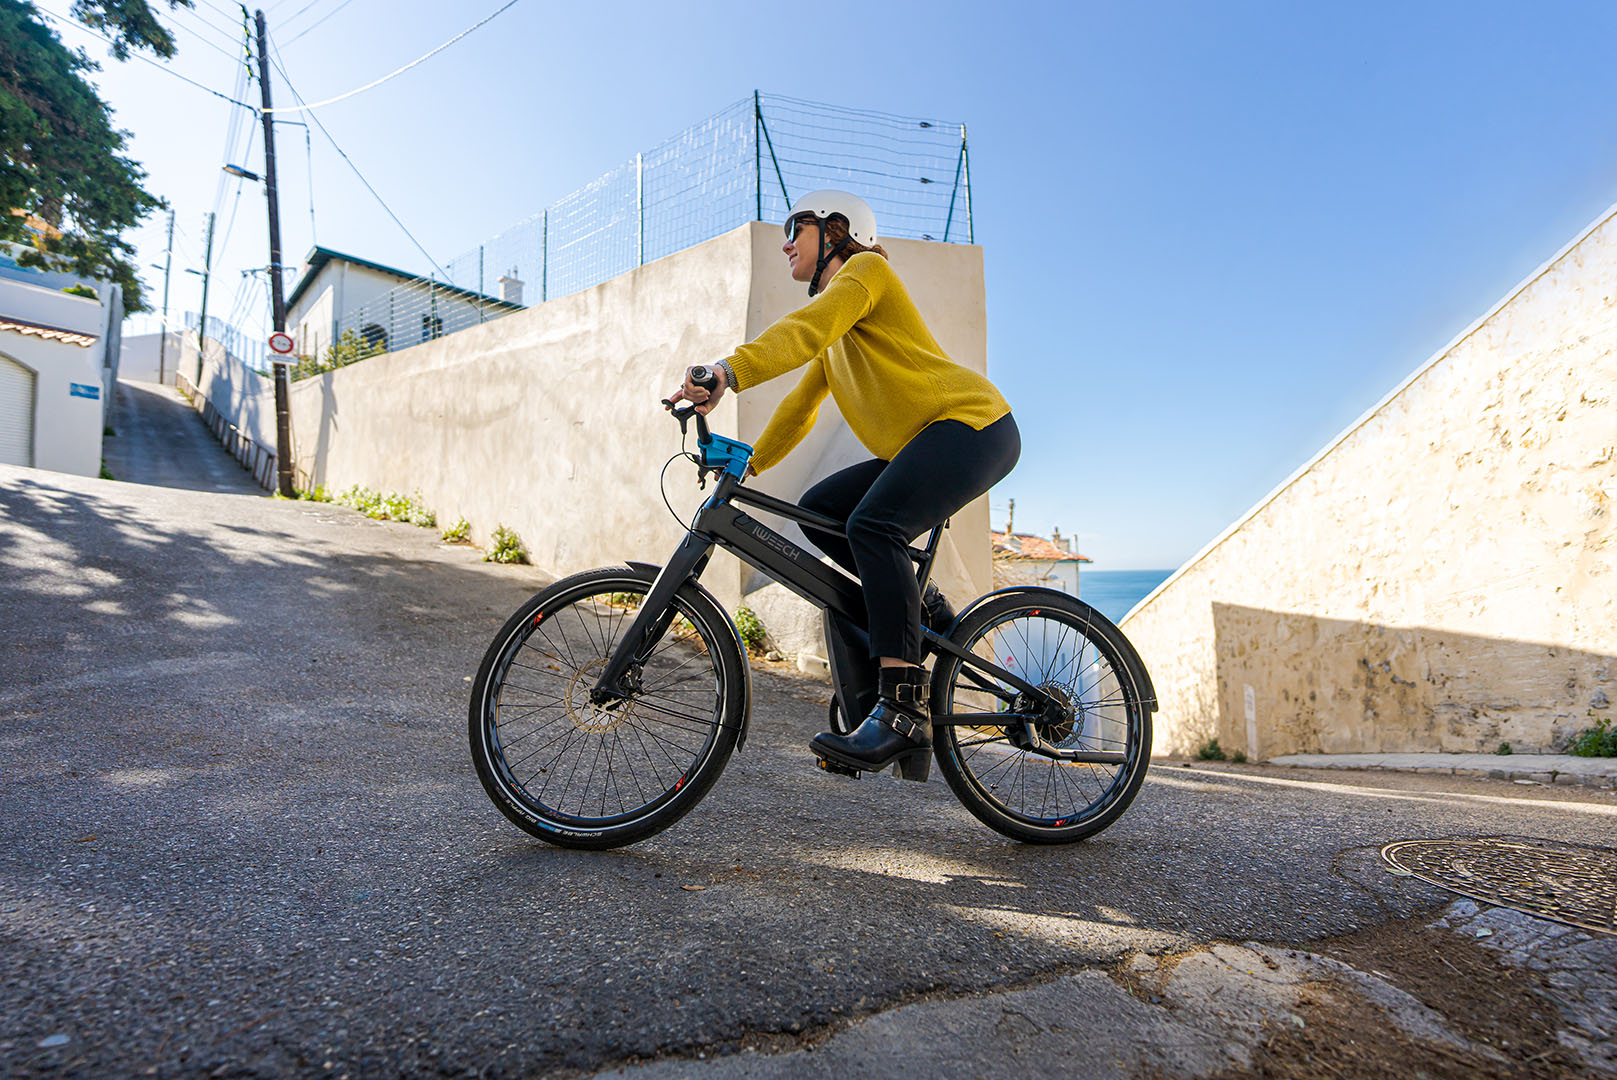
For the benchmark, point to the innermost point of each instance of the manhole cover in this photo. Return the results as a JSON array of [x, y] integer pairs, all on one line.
[[1573, 885]]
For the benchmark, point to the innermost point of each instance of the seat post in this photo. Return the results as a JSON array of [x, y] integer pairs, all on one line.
[[924, 557]]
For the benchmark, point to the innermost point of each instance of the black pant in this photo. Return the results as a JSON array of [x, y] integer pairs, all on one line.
[[887, 504]]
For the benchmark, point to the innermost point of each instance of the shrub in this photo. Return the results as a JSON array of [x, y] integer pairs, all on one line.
[[459, 533], [1504, 750], [1598, 741], [82, 290], [1210, 751], [752, 629], [505, 546], [1239, 757]]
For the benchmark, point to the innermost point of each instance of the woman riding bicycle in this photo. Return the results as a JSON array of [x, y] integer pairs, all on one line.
[[941, 434]]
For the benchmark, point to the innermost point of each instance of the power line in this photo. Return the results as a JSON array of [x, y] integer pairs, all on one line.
[[421, 59], [294, 16], [318, 21], [145, 59], [275, 60]]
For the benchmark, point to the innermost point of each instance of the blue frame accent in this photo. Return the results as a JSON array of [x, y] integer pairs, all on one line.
[[726, 455]]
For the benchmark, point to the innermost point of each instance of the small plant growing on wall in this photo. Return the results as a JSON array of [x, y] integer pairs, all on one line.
[[1598, 741], [1210, 751], [459, 533], [505, 546], [82, 290], [752, 629]]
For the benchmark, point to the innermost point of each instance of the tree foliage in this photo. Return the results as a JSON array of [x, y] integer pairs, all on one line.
[[61, 160], [350, 348]]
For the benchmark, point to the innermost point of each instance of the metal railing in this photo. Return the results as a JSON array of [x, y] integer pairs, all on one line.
[[743, 164]]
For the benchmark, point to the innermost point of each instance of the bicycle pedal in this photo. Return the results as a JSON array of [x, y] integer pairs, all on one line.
[[836, 769]]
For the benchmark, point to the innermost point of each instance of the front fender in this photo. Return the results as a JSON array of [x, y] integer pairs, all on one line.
[[651, 571]]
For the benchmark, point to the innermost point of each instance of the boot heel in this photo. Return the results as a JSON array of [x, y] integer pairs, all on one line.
[[917, 767]]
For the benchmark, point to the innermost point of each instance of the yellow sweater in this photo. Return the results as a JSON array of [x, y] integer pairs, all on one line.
[[866, 345]]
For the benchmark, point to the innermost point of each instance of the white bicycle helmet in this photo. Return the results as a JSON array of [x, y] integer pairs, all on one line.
[[851, 208]]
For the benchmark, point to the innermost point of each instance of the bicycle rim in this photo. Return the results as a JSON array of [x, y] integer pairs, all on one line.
[[578, 769], [1064, 649]]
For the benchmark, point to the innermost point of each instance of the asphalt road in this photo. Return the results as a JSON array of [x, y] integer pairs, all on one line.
[[242, 835], [157, 438]]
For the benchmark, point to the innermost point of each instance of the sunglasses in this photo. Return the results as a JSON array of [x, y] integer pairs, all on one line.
[[797, 224]]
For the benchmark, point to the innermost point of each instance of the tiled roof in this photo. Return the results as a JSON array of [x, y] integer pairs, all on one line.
[[1028, 546]]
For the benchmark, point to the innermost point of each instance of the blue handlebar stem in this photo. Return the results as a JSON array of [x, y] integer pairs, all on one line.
[[726, 455]]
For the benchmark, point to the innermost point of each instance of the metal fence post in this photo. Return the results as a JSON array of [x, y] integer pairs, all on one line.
[[640, 207], [965, 165], [544, 257], [480, 289], [758, 153]]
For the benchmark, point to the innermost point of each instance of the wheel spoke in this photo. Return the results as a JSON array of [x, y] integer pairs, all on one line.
[[569, 759], [1060, 650]]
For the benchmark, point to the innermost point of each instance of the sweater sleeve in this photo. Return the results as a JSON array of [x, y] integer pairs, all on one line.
[[799, 337], [794, 417]]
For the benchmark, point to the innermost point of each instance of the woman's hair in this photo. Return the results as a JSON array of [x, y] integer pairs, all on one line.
[[836, 231]]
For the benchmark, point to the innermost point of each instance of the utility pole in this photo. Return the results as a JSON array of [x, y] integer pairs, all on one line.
[[283, 389], [168, 264], [202, 323]]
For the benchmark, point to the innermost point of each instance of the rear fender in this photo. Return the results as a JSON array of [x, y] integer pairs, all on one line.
[[1148, 696]]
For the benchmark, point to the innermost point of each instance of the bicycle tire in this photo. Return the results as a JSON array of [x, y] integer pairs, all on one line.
[[676, 734], [1074, 651]]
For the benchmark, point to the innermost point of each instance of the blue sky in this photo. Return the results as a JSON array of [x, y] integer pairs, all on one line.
[[1214, 234]]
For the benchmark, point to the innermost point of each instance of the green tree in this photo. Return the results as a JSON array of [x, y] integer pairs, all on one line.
[[61, 159]]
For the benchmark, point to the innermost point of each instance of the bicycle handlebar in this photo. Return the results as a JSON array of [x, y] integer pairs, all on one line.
[[707, 379]]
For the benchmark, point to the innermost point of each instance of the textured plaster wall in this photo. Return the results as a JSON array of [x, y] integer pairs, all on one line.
[[1443, 577], [548, 421]]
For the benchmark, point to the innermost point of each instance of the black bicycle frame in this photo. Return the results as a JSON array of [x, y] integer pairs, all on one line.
[[719, 523]]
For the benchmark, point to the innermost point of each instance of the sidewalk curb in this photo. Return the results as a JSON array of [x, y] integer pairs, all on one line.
[[1561, 770]]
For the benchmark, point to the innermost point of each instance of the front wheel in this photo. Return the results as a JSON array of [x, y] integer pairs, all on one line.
[[585, 776], [1068, 650]]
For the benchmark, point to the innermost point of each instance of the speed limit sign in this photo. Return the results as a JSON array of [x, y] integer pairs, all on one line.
[[280, 344]]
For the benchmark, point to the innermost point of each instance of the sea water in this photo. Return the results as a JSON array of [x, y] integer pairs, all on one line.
[[1114, 592]]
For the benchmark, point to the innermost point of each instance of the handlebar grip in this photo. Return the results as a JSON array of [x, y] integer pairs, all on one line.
[[705, 377]]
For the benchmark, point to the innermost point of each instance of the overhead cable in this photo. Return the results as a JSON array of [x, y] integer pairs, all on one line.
[[360, 90], [143, 57], [276, 61], [318, 21]]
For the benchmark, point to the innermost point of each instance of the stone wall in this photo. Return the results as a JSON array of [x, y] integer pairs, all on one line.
[[1443, 576]]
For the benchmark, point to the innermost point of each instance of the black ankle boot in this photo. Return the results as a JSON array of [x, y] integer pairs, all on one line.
[[897, 732]]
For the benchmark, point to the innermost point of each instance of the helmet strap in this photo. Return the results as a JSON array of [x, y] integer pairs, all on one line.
[[825, 259]]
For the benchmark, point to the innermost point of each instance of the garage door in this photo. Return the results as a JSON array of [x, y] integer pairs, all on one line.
[[16, 413]]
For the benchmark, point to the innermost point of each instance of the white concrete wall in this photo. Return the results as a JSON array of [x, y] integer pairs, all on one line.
[[138, 358], [67, 424], [547, 421], [240, 394], [1443, 576]]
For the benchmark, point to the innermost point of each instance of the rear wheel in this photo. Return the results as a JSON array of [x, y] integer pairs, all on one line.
[[586, 776], [1068, 650]]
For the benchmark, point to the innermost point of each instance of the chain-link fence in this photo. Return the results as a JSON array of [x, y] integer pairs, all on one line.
[[743, 164], [250, 349]]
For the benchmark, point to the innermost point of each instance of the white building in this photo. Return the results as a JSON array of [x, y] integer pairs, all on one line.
[[1026, 559], [58, 361], [385, 307]]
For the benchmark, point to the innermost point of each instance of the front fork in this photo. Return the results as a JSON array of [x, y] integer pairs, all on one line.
[[622, 675]]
